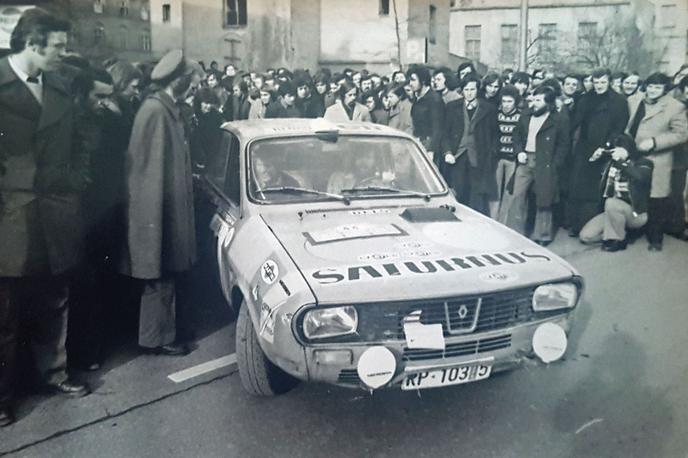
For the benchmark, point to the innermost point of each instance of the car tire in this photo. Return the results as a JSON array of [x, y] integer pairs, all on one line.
[[259, 376]]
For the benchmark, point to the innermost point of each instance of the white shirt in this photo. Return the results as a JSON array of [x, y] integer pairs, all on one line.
[[534, 126], [35, 88]]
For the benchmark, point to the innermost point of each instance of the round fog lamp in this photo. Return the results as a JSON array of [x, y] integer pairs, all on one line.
[[549, 342], [376, 366]]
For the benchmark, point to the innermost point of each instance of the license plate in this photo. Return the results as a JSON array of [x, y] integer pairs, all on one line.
[[447, 376]]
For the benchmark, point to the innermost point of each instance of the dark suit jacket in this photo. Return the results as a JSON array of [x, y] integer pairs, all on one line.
[[551, 149], [428, 121], [599, 119], [486, 135], [40, 179]]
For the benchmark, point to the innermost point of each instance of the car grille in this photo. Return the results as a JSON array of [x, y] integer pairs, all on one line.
[[472, 347], [458, 316]]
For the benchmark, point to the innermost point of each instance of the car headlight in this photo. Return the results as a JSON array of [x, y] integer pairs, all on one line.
[[330, 322], [555, 296]]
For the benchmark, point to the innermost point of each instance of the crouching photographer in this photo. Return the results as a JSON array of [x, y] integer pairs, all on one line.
[[625, 187]]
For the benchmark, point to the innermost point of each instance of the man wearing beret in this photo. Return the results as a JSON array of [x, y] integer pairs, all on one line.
[[160, 242]]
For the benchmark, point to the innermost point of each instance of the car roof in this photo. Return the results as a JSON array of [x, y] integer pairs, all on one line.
[[265, 128]]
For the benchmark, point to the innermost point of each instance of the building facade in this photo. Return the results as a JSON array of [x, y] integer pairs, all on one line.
[[565, 34], [107, 28], [671, 28], [377, 34]]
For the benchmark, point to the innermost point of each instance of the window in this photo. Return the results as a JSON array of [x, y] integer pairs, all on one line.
[[384, 8], [99, 33], [667, 16], [432, 38], [123, 33], [145, 41], [166, 12], [509, 51], [472, 40], [235, 13], [547, 42], [587, 31], [124, 8], [98, 6]]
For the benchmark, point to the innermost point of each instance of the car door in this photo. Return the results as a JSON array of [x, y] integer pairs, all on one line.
[[223, 181]]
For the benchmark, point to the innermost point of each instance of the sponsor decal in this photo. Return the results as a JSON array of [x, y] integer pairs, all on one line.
[[332, 275], [353, 231], [498, 277], [370, 211], [372, 257], [269, 271]]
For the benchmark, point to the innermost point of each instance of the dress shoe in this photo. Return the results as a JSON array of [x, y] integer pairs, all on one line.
[[173, 349], [614, 245], [680, 235], [69, 388], [655, 246], [6, 417], [543, 242]]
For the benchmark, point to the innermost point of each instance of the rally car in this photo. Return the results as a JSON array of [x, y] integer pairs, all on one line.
[[349, 261]]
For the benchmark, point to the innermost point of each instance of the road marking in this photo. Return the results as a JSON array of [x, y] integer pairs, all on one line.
[[203, 368]]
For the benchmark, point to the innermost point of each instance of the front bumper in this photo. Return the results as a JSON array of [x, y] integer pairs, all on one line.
[[506, 348]]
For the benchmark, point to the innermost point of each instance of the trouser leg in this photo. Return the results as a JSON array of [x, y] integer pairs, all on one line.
[[616, 214], [593, 230], [157, 315], [543, 225], [657, 211], [518, 205], [676, 220], [47, 311], [460, 181], [9, 329]]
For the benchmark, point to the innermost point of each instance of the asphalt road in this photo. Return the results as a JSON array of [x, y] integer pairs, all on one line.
[[621, 392]]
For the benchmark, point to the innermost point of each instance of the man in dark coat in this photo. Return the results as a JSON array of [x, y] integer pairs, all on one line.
[[470, 147], [541, 139], [161, 245], [427, 112], [40, 182], [601, 116]]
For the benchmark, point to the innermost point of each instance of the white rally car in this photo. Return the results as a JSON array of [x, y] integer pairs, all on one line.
[[350, 262]]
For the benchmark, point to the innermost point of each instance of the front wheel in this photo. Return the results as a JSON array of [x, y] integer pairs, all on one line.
[[259, 376]]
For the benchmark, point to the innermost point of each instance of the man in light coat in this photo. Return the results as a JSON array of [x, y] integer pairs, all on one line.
[[658, 124], [161, 245]]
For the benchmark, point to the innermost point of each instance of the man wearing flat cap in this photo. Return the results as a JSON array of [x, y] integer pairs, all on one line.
[[160, 243]]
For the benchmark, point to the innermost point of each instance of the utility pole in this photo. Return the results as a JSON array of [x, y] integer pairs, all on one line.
[[523, 38]]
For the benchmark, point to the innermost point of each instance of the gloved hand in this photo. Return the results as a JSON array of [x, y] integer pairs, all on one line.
[[449, 158]]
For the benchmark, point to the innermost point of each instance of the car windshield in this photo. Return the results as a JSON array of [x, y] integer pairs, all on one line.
[[312, 168]]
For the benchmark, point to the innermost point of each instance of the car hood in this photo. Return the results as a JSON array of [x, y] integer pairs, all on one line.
[[375, 254]]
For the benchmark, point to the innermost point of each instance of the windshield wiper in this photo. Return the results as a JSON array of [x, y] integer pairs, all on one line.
[[424, 195], [296, 189]]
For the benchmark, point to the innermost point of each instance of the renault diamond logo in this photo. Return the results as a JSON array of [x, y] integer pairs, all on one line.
[[463, 311]]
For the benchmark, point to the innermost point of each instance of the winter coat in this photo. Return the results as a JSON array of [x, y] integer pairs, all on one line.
[[486, 138], [552, 145], [337, 113], [41, 176], [400, 117], [159, 193], [601, 119], [665, 121], [427, 113]]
